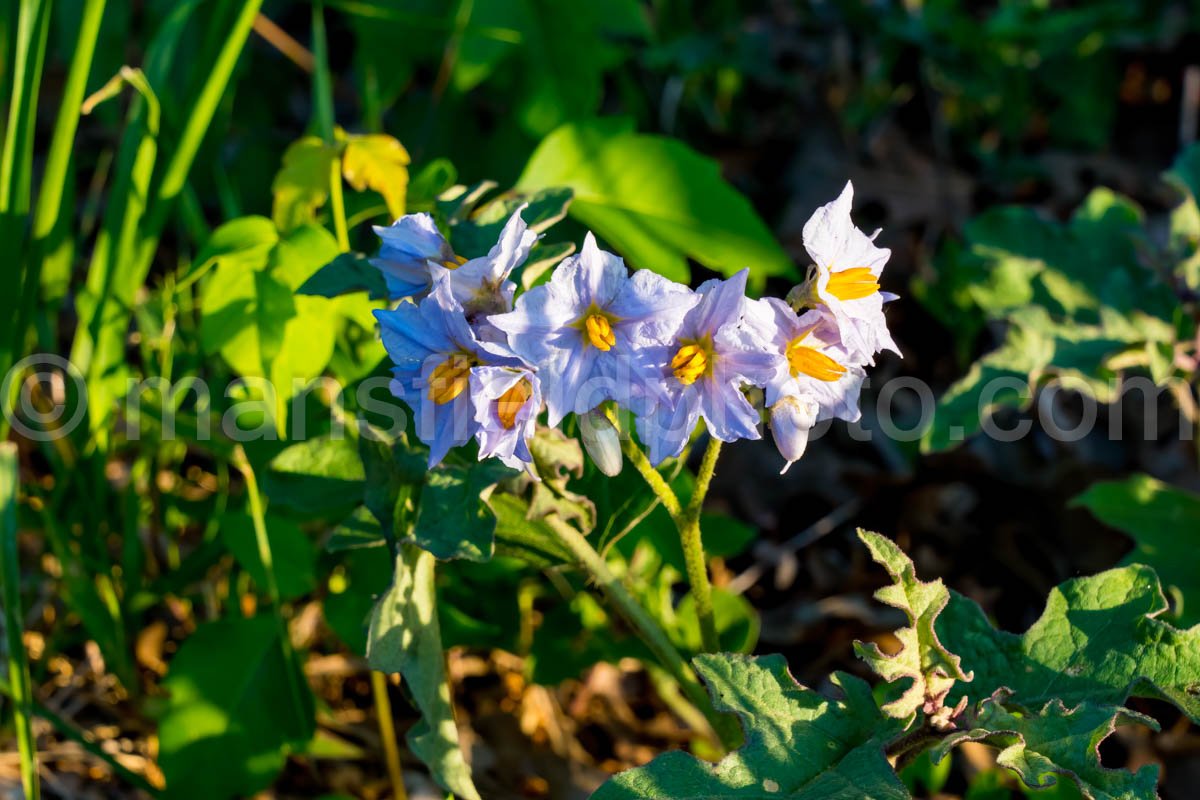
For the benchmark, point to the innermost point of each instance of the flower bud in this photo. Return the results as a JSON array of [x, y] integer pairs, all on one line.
[[601, 441], [791, 420]]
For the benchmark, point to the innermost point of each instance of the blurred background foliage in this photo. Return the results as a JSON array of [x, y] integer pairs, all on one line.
[[1032, 163]]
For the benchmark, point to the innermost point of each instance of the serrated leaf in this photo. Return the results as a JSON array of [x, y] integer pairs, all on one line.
[[379, 162], [1099, 640], [348, 273], [1060, 743], [557, 458], [453, 517], [799, 744], [655, 201], [932, 669], [404, 639], [1165, 523]]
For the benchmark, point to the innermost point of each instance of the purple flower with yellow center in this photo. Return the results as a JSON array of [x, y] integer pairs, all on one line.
[[844, 277], [481, 285], [585, 329], [814, 376], [702, 370], [507, 401], [434, 351], [410, 244]]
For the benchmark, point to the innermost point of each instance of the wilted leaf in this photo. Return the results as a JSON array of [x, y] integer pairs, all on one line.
[[799, 744], [379, 162], [404, 638], [923, 659]]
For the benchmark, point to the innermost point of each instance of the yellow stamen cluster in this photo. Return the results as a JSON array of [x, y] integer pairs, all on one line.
[[853, 284], [454, 263], [450, 378], [805, 360], [599, 332], [512, 401], [690, 362]]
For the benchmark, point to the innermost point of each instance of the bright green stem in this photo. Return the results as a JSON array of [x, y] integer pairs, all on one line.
[[654, 480], [337, 205], [18, 663], [258, 515], [645, 626], [693, 549]]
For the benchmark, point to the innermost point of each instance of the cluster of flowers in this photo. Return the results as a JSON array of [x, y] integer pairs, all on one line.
[[471, 363]]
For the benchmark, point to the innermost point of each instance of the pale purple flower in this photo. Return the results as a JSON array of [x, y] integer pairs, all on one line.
[[845, 277], [409, 245], [435, 351], [583, 330], [507, 401], [701, 371]]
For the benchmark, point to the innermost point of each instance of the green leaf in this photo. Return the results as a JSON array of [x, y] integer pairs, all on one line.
[[293, 555], [393, 472], [453, 517], [302, 184], [316, 475], [736, 621], [245, 240], [923, 659], [1165, 523], [656, 201], [229, 717], [404, 638], [476, 235], [347, 273], [1058, 743], [379, 162], [430, 181], [799, 744], [359, 530], [557, 458], [1099, 640], [517, 535], [352, 589]]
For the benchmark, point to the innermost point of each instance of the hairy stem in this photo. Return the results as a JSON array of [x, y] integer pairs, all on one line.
[[693, 549]]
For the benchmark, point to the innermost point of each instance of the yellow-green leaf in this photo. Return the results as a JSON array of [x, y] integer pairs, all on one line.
[[379, 162]]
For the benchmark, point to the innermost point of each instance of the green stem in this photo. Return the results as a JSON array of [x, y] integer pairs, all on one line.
[[653, 479], [258, 515], [18, 662], [693, 549], [647, 629], [322, 85], [337, 205]]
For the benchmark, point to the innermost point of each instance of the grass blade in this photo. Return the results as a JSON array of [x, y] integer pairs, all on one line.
[[18, 663]]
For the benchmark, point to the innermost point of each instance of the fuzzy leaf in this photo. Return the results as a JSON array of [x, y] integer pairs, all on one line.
[[404, 638], [1165, 523], [922, 659], [799, 743], [1060, 743], [1099, 640]]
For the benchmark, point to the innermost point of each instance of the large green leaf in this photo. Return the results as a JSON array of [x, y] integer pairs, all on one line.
[[655, 200], [230, 714], [1165, 523], [1099, 640], [316, 475], [453, 517], [1056, 743], [799, 744], [404, 638], [293, 554], [923, 661]]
